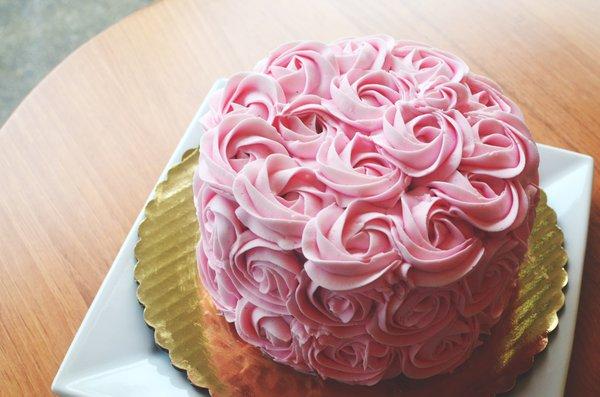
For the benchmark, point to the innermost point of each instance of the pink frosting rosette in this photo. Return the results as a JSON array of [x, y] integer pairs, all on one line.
[[218, 284], [301, 68], [219, 227], [271, 332], [354, 169], [488, 288], [410, 316], [304, 124], [489, 203], [438, 247], [426, 64], [348, 248], [361, 97], [443, 352], [236, 141], [263, 273], [364, 207], [357, 360], [446, 95], [366, 53], [277, 197], [521, 233], [503, 147], [425, 143], [340, 313], [486, 95], [247, 93]]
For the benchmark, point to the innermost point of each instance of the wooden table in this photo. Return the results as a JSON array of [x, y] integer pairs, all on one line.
[[81, 153]]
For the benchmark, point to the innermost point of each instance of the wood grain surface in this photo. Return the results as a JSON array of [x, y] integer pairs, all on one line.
[[81, 153]]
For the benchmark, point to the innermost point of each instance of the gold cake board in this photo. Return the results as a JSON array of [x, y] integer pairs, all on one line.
[[203, 344]]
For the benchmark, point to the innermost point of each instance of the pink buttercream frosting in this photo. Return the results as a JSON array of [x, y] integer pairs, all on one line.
[[355, 169], [425, 143], [364, 207], [438, 248], [277, 197], [347, 248]]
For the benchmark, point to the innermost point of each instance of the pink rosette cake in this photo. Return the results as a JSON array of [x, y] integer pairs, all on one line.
[[364, 207]]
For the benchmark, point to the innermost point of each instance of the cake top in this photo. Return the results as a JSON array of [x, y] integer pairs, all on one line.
[[364, 206]]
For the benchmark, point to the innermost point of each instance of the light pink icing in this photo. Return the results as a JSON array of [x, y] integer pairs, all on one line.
[[411, 316], [491, 204], [486, 290], [444, 351], [427, 65], [445, 95], [503, 146], [349, 248], [219, 226], [356, 360], [246, 93], [272, 333], [341, 313], [360, 97], [364, 53], [277, 197], [218, 284], [437, 247], [301, 68], [304, 124], [425, 143], [487, 95], [364, 207], [355, 169], [263, 273], [238, 140]]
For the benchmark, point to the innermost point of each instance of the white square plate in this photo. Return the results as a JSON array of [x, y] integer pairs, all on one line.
[[113, 353]]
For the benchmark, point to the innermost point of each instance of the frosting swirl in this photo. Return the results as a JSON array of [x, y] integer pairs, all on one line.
[[485, 95], [262, 273], [304, 125], [367, 53], [269, 331], [438, 247], [443, 352], [340, 313], [348, 248], [489, 203], [238, 140], [503, 146], [246, 93], [489, 287], [358, 360], [360, 98], [218, 285], [301, 68], [354, 169], [425, 143], [445, 96], [277, 197], [219, 227], [411, 316], [426, 64]]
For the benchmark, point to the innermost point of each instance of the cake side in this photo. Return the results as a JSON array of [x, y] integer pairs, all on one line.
[[364, 207]]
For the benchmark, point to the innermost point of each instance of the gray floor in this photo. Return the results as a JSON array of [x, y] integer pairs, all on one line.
[[35, 35]]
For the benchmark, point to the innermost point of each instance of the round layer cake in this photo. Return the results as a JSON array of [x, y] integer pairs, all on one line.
[[364, 207]]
